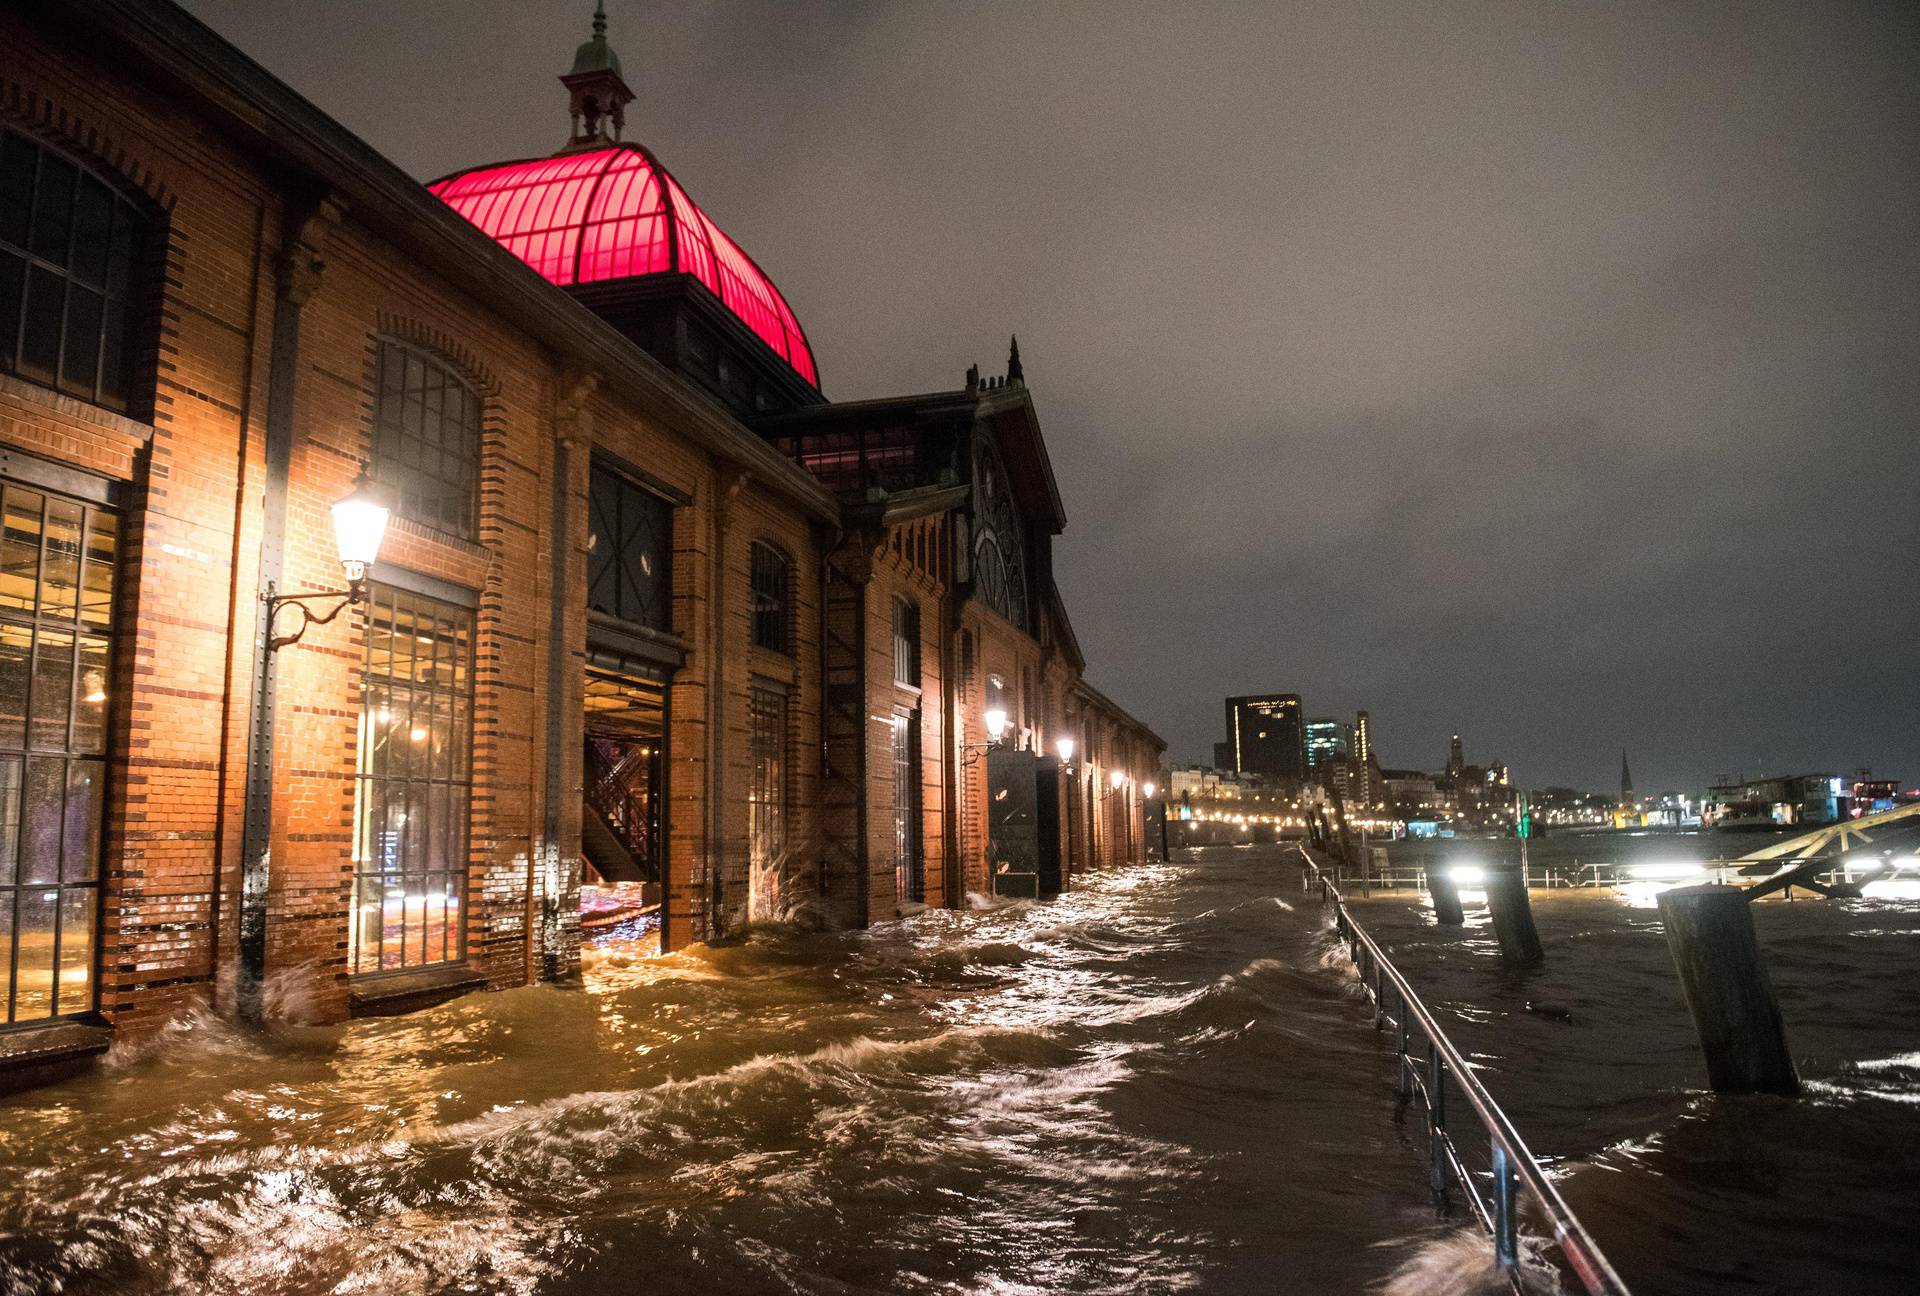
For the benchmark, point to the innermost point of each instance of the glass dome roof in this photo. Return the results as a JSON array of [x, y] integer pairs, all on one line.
[[615, 213]]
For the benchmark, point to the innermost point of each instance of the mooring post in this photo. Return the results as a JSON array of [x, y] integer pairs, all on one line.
[[1727, 988], [1446, 897], [1512, 915]]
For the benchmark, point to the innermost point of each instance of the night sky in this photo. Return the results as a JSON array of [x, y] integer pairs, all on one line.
[[1542, 371]]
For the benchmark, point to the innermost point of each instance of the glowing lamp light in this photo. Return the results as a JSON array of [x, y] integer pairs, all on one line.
[[1065, 747], [1146, 789], [359, 525], [1117, 778], [996, 718], [1467, 873]]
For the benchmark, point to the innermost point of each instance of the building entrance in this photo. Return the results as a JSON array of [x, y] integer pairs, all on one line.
[[623, 791]]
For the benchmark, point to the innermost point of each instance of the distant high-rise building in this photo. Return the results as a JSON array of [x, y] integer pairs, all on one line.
[[1328, 740], [1362, 738], [1223, 755], [1265, 736], [1456, 757]]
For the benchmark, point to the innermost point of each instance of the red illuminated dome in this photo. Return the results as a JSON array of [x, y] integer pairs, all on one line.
[[602, 210], [615, 213]]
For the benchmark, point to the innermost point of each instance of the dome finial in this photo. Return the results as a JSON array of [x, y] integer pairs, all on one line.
[[597, 92]]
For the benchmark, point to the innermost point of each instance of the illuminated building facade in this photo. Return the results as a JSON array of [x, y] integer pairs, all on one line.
[[619, 619], [1329, 741], [1266, 734]]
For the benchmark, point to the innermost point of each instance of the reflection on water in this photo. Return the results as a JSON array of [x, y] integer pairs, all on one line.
[[1151, 1085], [1594, 1056]]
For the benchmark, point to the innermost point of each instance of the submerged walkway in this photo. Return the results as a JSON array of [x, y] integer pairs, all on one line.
[[1155, 1083]]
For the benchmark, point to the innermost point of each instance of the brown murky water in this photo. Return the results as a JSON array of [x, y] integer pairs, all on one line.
[[1685, 1191], [1157, 1083]]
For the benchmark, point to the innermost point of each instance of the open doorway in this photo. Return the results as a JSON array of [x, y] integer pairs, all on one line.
[[624, 794]]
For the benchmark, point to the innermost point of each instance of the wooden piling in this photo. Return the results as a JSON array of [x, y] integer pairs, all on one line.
[[1446, 896], [1512, 914], [1728, 990]]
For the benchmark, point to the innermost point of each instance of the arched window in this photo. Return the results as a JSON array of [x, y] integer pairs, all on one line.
[[426, 438], [772, 595], [69, 244]]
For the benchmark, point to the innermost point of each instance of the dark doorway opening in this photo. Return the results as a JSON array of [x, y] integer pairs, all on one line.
[[623, 796]]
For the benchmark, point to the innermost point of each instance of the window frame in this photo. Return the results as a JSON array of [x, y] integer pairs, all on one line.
[[656, 611], [770, 597], [769, 805], [121, 289], [413, 487], [458, 855], [80, 896], [906, 642]]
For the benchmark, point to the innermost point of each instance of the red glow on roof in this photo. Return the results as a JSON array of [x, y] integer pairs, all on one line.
[[615, 213]]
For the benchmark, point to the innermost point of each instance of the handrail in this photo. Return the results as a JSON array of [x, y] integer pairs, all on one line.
[[1513, 1164]]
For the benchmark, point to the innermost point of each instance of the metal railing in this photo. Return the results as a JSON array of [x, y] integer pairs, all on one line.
[[1494, 1193]]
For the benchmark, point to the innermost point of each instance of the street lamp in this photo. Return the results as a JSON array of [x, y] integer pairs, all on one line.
[[1146, 789], [1117, 779], [1065, 747], [359, 524]]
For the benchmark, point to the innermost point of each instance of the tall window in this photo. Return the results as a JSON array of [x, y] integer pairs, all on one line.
[[426, 438], [772, 599], [415, 779], [68, 241], [629, 551], [56, 595], [906, 642], [767, 795], [909, 881]]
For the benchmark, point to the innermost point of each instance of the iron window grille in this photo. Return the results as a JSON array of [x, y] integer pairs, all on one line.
[[906, 642], [772, 598], [909, 879], [426, 439], [57, 559], [414, 783], [629, 551], [767, 795], [69, 242]]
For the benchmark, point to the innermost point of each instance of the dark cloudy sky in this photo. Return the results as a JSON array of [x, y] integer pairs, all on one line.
[[1542, 370]]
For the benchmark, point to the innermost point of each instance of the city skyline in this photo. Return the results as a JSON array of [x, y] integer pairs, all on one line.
[[1421, 359]]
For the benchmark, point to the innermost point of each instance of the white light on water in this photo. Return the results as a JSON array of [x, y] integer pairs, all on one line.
[[1892, 889], [1667, 872]]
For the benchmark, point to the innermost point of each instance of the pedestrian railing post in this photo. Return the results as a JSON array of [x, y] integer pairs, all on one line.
[[1403, 1075], [1437, 1122], [1506, 1245]]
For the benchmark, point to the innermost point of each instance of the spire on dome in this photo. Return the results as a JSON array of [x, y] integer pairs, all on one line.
[[1015, 374], [597, 94]]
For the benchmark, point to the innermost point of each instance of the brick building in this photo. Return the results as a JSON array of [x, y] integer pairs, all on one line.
[[637, 617]]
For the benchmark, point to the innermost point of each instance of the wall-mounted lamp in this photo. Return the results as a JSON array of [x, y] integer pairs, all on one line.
[[1118, 779], [359, 525], [996, 718], [1147, 789], [1064, 746]]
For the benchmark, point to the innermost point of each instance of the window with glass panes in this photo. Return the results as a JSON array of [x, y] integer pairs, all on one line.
[[414, 783], [629, 551], [426, 438], [57, 560], [767, 795], [906, 642], [908, 877], [772, 577], [68, 242]]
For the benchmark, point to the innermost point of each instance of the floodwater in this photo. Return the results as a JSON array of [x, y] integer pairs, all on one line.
[[1687, 1192], [1160, 1082]]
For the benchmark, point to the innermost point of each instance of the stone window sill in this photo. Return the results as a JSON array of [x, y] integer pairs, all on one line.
[[388, 994], [38, 1054]]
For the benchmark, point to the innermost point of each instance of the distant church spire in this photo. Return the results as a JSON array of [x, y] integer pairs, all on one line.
[[1626, 778], [1015, 374], [597, 94]]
